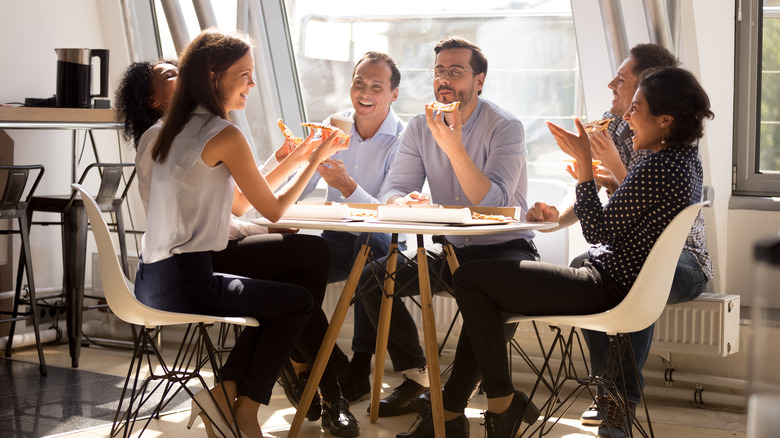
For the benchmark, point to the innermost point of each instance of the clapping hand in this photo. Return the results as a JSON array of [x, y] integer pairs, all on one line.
[[575, 145], [603, 148]]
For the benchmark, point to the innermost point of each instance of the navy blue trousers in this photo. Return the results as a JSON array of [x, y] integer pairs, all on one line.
[[186, 283]]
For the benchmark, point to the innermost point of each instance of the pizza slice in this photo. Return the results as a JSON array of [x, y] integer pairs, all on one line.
[[489, 217], [289, 134], [443, 107], [326, 129], [597, 125]]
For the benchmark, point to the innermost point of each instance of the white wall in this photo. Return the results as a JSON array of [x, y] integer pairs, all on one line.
[[735, 231], [707, 50], [31, 30]]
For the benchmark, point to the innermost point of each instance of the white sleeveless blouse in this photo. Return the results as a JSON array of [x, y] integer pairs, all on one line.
[[189, 206]]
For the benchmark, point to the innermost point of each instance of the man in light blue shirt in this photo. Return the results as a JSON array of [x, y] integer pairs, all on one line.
[[476, 158], [355, 175]]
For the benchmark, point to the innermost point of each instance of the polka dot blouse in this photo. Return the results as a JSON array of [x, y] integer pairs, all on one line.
[[624, 230]]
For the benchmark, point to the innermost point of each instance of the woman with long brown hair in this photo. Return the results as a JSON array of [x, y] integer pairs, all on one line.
[[200, 157]]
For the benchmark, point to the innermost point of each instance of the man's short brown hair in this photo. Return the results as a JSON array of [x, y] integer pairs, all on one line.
[[478, 61], [649, 55], [377, 57]]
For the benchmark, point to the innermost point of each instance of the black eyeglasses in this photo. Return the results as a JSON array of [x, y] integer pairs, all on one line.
[[453, 73]]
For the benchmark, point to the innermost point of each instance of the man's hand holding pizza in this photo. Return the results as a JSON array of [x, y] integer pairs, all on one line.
[[448, 137]]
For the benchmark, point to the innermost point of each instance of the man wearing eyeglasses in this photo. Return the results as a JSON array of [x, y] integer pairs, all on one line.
[[476, 158]]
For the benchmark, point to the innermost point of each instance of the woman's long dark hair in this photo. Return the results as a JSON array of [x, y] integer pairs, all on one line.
[[132, 100], [210, 52], [676, 92]]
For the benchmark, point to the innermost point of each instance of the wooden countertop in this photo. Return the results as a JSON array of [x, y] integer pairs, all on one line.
[[62, 115]]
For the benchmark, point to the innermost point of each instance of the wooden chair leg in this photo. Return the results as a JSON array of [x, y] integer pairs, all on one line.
[[331, 334], [429, 331], [383, 331]]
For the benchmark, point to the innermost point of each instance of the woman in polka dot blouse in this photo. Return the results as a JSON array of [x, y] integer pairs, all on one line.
[[666, 116]]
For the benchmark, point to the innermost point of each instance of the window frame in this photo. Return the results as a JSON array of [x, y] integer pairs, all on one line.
[[747, 179]]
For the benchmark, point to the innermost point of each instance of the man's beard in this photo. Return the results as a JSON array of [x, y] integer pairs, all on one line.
[[463, 96]]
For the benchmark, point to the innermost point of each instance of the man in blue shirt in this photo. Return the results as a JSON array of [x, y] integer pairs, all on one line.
[[355, 175], [476, 157]]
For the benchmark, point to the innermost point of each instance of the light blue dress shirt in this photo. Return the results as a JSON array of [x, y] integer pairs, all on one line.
[[367, 161], [495, 141]]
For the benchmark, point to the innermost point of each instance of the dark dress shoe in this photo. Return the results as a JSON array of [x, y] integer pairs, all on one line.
[[422, 403], [507, 423], [293, 389], [400, 401], [455, 428], [337, 419]]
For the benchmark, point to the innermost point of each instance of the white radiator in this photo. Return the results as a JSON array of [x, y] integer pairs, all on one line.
[[707, 325]]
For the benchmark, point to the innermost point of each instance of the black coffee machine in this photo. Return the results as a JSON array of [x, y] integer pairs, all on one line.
[[74, 77]]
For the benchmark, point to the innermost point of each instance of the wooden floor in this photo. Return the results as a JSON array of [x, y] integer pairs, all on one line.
[[668, 420]]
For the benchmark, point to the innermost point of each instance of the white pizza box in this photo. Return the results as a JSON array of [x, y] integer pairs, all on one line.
[[423, 213], [433, 213], [328, 211]]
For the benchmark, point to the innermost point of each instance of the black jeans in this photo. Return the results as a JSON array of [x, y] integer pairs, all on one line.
[[404, 343], [186, 283], [486, 290], [299, 259]]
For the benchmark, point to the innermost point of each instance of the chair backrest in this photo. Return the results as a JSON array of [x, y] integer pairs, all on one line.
[[647, 297], [119, 290], [553, 247], [111, 175], [16, 184]]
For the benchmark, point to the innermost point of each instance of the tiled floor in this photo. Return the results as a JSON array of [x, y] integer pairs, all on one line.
[[111, 366]]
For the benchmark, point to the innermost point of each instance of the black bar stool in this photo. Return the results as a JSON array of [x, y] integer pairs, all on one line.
[[13, 205], [73, 220]]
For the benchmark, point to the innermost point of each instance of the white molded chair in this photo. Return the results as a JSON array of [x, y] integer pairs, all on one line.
[[123, 303], [641, 307]]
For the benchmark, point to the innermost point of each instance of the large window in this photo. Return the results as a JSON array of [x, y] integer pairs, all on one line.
[[757, 137], [530, 45], [769, 141], [533, 69]]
